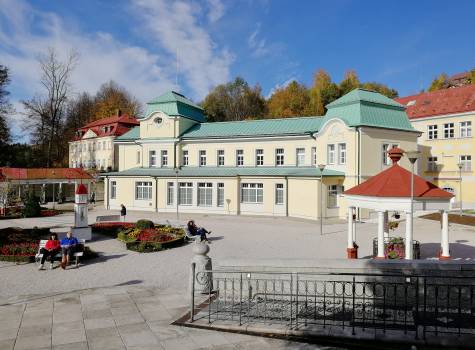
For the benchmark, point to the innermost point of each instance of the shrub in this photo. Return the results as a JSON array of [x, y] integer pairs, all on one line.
[[145, 247], [32, 207], [144, 224], [19, 249]]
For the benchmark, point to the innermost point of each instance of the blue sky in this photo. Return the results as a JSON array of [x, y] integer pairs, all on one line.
[[403, 44]]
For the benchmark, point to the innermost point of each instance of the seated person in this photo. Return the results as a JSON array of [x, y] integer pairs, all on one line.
[[68, 247], [51, 248], [198, 231]]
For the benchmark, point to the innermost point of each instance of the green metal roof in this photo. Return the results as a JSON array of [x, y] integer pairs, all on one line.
[[368, 108], [173, 103], [228, 172], [131, 135], [248, 128]]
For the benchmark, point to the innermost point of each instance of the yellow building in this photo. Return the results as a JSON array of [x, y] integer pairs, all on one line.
[[445, 119], [176, 161]]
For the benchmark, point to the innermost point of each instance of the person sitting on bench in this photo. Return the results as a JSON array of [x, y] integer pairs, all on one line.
[[68, 247], [52, 247], [198, 231]]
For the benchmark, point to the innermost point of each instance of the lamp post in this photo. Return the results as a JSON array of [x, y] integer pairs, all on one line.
[[177, 194], [321, 167], [460, 166], [412, 156]]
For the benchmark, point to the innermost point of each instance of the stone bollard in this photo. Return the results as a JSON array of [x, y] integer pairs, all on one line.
[[203, 281]]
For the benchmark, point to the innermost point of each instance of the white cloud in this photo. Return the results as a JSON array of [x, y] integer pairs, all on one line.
[[280, 86], [175, 27], [216, 10], [258, 46]]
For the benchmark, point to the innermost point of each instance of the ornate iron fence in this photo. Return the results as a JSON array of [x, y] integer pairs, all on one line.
[[416, 305]]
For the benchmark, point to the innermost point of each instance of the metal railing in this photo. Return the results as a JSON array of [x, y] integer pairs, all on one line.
[[412, 305]]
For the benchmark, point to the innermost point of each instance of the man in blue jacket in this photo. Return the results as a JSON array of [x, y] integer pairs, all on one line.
[[68, 247]]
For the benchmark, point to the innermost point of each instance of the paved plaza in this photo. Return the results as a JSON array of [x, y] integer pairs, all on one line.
[[125, 299]]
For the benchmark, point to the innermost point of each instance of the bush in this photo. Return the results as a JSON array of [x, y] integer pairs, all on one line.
[[144, 224], [145, 247], [32, 207]]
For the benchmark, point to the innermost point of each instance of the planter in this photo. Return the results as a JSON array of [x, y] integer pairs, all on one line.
[[395, 248]]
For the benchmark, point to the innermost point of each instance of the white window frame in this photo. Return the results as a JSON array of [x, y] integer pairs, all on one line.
[[385, 160], [113, 194], [259, 157], [432, 164], [184, 158], [239, 157], [138, 157], [279, 157], [314, 156], [220, 157], [185, 193], [333, 191], [170, 193], [143, 190], [220, 195], [432, 132], [466, 161], [300, 156], [164, 158], [202, 157], [252, 193], [279, 194], [466, 129], [331, 153], [342, 153], [449, 130], [152, 158], [205, 194]]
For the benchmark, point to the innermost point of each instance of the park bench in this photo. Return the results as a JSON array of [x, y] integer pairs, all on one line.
[[105, 218], [77, 254], [188, 234]]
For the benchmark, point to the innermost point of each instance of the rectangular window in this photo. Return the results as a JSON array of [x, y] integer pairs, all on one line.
[[239, 157], [99, 146], [333, 192], [259, 157], [314, 156], [170, 193], [185, 158], [342, 153], [220, 160], [164, 158], [152, 158], [466, 162], [330, 154], [300, 156], [449, 131], [279, 157], [205, 194], [432, 132], [220, 197], [432, 164], [384, 152], [113, 190], [279, 193], [252, 193], [138, 157], [202, 158], [185, 193], [466, 129], [143, 190]]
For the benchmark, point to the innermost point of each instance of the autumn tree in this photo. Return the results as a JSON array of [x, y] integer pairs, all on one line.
[[440, 82], [45, 112], [235, 100], [381, 88], [291, 100], [112, 97], [5, 106], [349, 82], [322, 92], [471, 76]]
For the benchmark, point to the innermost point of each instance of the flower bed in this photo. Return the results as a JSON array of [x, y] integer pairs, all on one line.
[[111, 229], [151, 239], [19, 252], [49, 212]]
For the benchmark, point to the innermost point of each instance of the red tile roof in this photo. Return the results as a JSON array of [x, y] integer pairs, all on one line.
[[43, 173], [119, 126], [446, 101], [396, 182]]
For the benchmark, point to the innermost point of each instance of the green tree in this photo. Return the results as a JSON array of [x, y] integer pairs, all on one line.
[[439, 82], [32, 206], [235, 100], [292, 100], [5, 106], [349, 82], [322, 92], [381, 88]]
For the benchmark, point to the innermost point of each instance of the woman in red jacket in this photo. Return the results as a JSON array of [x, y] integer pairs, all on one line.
[[51, 248]]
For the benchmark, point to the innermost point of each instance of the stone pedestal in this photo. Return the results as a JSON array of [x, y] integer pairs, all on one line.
[[203, 280]]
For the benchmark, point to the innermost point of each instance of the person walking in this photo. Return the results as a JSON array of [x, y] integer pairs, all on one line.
[[51, 248], [123, 212], [68, 247]]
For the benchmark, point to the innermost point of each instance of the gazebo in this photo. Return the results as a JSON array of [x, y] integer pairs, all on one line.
[[390, 190]]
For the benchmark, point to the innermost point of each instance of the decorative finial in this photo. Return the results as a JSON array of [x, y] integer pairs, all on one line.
[[395, 154]]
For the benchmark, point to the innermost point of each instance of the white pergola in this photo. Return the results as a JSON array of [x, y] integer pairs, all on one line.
[[382, 205]]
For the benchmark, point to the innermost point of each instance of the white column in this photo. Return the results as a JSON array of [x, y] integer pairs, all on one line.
[[445, 254], [350, 227], [386, 224], [380, 234], [408, 243]]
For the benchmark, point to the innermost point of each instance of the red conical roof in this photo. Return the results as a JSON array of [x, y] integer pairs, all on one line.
[[82, 189], [396, 182]]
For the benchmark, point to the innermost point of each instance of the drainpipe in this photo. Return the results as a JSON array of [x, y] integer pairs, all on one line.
[[238, 201], [156, 194], [107, 193], [359, 167], [286, 196]]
